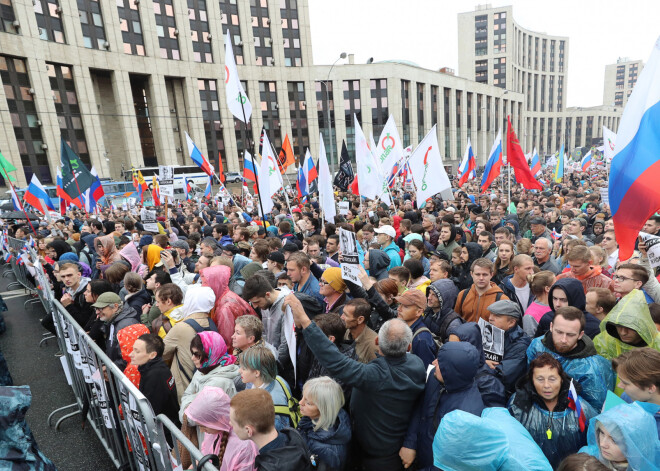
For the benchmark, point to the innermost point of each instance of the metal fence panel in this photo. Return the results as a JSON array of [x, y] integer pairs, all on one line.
[[120, 415]]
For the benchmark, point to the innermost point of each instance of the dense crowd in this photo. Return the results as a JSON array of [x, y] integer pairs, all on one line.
[[478, 327]]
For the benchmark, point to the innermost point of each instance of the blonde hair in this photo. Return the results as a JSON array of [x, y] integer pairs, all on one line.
[[328, 397]]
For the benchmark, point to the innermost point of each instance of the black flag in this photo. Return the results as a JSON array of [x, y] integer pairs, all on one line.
[[345, 175]]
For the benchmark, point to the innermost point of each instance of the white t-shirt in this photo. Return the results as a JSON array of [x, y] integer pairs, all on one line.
[[523, 295]]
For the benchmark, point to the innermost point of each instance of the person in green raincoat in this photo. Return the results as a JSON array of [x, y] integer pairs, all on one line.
[[629, 325]]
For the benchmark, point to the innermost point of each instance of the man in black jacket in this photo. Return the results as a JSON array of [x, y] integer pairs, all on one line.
[[73, 298], [156, 380], [384, 390], [252, 416]]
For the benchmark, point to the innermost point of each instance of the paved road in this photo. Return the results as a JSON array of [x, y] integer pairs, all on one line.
[[70, 448]]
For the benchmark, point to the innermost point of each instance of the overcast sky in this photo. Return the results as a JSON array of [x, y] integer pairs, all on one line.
[[425, 32]]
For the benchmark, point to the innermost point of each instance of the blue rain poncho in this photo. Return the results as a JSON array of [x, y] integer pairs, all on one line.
[[493, 442], [634, 430]]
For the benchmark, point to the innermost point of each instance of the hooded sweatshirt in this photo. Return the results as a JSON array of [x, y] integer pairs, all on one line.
[[197, 303], [211, 409], [379, 262], [576, 298], [130, 254], [491, 388], [631, 311], [464, 275], [446, 318], [228, 305], [583, 364], [458, 363]]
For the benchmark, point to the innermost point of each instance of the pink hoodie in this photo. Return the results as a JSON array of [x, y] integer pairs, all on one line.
[[211, 409], [228, 305], [130, 254]]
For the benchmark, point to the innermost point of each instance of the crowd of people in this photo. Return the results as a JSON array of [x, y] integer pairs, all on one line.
[[477, 328]]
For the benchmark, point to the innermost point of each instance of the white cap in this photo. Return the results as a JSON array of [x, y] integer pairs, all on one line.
[[387, 230]]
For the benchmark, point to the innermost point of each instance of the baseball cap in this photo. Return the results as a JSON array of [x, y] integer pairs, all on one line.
[[412, 297], [387, 230], [107, 299], [476, 208], [277, 257], [504, 307]]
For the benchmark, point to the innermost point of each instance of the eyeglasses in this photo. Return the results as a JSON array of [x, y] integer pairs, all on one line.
[[323, 282], [622, 278]]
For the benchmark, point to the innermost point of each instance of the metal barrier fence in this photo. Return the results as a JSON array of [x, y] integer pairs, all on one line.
[[120, 415]]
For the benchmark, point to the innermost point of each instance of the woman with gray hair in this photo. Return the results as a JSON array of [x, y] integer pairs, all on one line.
[[325, 426]]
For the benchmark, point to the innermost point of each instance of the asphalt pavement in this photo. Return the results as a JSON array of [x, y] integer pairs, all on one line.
[[72, 447]]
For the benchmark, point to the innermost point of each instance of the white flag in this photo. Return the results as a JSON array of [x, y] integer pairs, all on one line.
[[368, 178], [326, 195], [427, 170], [264, 186], [609, 141], [273, 172], [389, 150], [235, 92], [382, 192]]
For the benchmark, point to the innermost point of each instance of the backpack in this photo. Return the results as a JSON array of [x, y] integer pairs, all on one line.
[[198, 328], [292, 409], [436, 340]]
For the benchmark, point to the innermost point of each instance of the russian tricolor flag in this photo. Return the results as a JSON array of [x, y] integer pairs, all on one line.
[[249, 172], [585, 162], [187, 189], [198, 158], [467, 169], [494, 164], [207, 191], [35, 194], [311, 174], [301, 183], [635, 169], [574, 403], [535, 165]]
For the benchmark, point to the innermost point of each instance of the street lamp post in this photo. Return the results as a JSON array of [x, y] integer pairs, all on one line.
[[327, 111]]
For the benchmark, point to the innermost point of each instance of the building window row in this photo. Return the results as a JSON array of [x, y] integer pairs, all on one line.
[[291, 33], [7, 17]]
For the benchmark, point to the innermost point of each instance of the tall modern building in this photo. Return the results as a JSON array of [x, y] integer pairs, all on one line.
[[620, 79], [494, 49]]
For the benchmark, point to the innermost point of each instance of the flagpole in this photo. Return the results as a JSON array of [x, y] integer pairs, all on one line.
[[288, 182], [256, 177], [75, 179]]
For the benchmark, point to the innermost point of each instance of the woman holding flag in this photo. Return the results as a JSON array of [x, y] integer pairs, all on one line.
[[542, 404]]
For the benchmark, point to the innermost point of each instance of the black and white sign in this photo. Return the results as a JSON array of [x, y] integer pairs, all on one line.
[[350, 262], [493, 341], [652, 248], [149, 220]]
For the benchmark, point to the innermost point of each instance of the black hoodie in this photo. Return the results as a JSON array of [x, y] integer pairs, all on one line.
[[464, 275], [576, 298]]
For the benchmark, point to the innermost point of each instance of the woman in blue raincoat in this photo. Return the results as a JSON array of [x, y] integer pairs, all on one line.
[[624, 438], [541, 405]]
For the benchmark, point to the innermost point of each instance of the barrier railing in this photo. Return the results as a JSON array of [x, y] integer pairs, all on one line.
[[118, 412]]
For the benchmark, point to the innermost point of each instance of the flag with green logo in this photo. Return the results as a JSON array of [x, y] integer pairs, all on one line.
[[76, 178], [5, 168]]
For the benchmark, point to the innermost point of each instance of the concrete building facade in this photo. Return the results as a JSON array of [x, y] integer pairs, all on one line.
[[494, 49], [122, 81], [620, 79]]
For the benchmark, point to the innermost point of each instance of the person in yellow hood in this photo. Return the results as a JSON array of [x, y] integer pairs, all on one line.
[[629, 325]]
